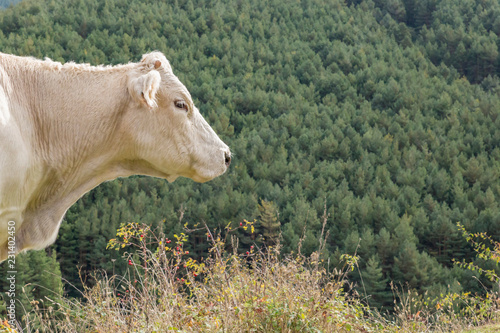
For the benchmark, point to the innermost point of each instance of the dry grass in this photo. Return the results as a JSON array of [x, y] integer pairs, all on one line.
[[485, 329], [164, 290], [454, 312]]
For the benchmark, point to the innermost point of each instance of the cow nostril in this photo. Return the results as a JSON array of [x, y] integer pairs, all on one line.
[[227, 158]]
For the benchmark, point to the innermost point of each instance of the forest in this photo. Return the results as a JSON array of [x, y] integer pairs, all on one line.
[[380, 117]]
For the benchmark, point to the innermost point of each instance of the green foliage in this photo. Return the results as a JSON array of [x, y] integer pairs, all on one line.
[[370, 108], [463, 35], [487, 251], [375, 284]]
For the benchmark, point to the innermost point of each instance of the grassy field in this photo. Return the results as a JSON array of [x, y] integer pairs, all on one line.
[[260, 290], [485, 329]]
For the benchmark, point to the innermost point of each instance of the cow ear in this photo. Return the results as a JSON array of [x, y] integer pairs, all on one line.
[[143, 89]]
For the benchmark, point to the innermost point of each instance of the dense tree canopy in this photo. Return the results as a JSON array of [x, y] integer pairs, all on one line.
[[384, 111]]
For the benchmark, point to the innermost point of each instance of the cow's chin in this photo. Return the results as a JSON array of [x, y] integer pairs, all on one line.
[[198, 175], [202, 175]]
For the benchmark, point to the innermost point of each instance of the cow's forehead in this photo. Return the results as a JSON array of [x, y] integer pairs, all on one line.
[[171, 86]]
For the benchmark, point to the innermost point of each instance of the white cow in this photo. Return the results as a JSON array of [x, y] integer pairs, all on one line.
[[64, 129]]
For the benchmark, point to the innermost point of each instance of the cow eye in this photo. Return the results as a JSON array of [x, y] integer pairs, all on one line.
[[181, 105]]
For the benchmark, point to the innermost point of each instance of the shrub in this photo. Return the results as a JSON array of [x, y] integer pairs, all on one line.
[[256, 291]]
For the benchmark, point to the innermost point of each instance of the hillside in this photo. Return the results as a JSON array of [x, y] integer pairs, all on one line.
[[387, 115]]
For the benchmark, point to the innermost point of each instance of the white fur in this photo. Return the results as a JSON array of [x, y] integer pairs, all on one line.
[[64, 129]]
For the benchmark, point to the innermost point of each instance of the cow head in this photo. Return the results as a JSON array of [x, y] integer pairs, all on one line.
[[169, 136]]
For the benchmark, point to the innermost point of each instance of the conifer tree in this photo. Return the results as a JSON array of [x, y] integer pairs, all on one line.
[[269, 224], [374, 283]]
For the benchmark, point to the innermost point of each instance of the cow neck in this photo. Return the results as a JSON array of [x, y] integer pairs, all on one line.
[[76, 112]]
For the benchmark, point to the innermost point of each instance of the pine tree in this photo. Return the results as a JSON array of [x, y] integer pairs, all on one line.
[[269, 225], [374, 283]]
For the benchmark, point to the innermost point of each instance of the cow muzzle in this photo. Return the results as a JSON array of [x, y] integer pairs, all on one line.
[[227, 158]]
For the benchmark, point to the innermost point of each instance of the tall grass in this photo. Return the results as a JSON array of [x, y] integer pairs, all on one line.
[[262, 290], [165, 290]]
